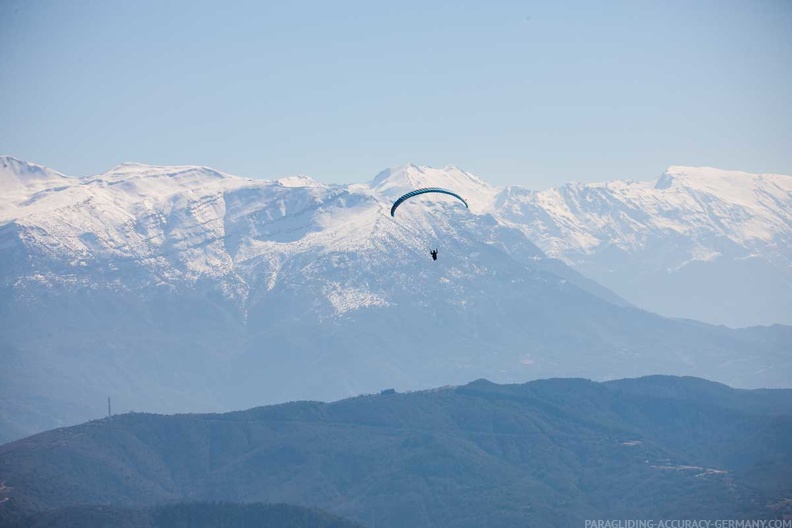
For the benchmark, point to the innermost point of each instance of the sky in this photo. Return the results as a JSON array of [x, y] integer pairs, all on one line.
[[528, 93]]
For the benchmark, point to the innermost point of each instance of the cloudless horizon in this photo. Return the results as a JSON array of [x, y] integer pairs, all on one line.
[[527, 93]]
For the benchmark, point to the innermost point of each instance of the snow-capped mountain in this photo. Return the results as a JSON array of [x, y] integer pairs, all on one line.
[[185, 289], [701, 243]]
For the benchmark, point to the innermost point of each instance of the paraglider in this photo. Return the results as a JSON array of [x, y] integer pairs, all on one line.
[[425, 190]]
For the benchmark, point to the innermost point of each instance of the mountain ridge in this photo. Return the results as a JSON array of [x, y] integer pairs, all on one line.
[[697, 243], [553, 451], [187, 290]]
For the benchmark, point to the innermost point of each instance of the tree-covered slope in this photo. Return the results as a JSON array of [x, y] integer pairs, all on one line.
[[545, 453], [186, 515]]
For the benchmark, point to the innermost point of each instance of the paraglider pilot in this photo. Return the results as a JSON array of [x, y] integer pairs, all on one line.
[[434, 254]]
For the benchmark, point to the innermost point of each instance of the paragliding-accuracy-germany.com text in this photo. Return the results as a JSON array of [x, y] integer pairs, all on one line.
[[689, 523]]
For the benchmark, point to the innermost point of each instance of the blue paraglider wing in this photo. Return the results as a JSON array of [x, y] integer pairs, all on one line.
[[416, 192]]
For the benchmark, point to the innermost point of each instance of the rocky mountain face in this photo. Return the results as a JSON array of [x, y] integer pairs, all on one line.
[[174, 289], [700, 243]]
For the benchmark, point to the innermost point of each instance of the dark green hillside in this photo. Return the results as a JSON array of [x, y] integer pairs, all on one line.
[[546, 453], [187, 515]]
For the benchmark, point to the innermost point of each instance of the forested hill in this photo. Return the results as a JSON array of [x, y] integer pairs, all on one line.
[[187, 515], [545, 453]]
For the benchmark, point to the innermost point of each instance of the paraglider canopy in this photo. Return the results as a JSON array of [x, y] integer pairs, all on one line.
[[425, 190]]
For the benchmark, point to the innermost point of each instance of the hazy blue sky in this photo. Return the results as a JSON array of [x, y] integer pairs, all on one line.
[[534, 93]]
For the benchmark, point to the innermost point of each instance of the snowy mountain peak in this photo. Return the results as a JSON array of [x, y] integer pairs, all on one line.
[[664, 182], [684, 171], [395, 181], [131, 170], [681, 176], [639, 237], [703, 175], [21, 181], [191, 221], [698, 202], [299, 180], [756, 193], [23, 173]]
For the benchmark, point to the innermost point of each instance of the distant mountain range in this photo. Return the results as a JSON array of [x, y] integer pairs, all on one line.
[[546, 453], [700, 243], [176, 289]]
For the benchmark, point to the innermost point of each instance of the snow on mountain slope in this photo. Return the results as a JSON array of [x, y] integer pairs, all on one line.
[[700, 203], [698, 242], [20, 182], [191, 223], [177, 289]]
